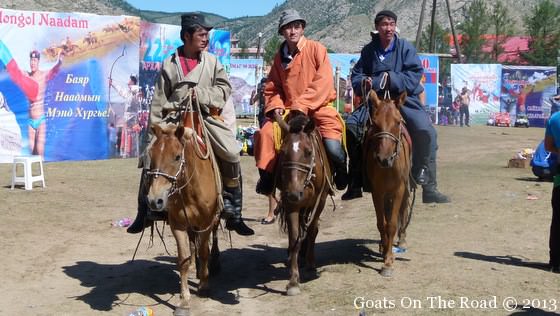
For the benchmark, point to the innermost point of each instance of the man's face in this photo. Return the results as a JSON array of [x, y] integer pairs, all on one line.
[[34, 64], [386, 28], [198, 41], [293, 31]]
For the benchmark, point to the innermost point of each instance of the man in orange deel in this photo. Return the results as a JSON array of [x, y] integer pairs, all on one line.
[[300, 80]]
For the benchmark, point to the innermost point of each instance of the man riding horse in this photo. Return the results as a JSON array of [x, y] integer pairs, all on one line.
[[193, 75], [300, 80], [389, 56]]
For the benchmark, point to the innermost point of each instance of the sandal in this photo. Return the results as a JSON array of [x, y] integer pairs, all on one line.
[[264, 221]]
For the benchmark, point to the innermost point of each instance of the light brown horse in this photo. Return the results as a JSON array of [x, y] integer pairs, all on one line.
[[303, 179], [388, 162], [182, 182]]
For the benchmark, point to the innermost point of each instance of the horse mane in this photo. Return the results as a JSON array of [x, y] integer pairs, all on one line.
[[297, 123]]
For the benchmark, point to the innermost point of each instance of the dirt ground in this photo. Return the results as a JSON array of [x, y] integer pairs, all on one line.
[[61, 256]]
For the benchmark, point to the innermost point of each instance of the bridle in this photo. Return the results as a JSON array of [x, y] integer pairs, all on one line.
[[391, 136], [306, 168], [154, 173]]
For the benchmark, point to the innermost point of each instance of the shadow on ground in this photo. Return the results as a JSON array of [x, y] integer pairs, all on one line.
[[252, 267]]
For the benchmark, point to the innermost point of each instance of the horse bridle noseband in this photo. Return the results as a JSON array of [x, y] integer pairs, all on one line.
[[154, 173], [397, 140], [303, 167]]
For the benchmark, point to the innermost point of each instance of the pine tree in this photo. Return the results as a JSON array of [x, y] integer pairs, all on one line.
[[543, 25]]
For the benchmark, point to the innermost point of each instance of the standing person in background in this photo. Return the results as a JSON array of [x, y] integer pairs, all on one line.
[[464, 101], [258, 97], [390, 57], [34, 85], [552, 144], [112, 140]]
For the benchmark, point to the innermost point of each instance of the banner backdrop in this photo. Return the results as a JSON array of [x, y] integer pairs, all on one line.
[[527, 90], [244, 76], [430, 80], [484, 83], [54, 82]]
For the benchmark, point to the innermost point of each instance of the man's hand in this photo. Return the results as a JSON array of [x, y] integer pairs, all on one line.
[[278, 112], [366, 85]]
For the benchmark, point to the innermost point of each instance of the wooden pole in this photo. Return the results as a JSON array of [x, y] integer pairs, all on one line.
[[432, 28], [455, 41], [420, 23]]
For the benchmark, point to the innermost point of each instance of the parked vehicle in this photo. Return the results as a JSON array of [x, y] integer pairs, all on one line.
[[521, 121], [502, 119]]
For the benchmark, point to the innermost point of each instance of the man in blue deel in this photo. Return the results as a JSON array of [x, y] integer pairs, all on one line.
[[388, 56]]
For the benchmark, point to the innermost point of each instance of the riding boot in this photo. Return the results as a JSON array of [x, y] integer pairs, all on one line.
[[338, 158], [430, 193], [265, 185], [354, 189], [233, 199], [355, 175], [141, 221]]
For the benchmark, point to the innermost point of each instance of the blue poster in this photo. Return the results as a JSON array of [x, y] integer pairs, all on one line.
[[55, 96], [526, 90], [430, 80]]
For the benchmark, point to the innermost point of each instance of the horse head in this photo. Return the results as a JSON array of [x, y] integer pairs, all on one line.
[[297, 158], [386, 128], [167, 164]]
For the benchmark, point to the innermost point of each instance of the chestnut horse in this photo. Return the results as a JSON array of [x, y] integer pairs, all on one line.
[[182, 182], [304, 181], [388, 162]]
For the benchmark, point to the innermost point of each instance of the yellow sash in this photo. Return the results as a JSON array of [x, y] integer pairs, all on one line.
[[277, 131]]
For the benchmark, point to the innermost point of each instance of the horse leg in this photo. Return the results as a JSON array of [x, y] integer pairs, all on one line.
[[214, 265], [293, 250], [380, 216], [192, 247], [203, 252], [403, 220], [312, 232], [184, 259], [392, 218]]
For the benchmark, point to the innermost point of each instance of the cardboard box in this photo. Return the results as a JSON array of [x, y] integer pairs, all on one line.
[[519, 163]]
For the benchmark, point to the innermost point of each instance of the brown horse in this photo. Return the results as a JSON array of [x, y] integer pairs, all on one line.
[[303, 170], [182, 182], [388, 162]]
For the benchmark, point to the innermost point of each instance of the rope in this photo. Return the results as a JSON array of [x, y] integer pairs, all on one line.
[[209, 152]]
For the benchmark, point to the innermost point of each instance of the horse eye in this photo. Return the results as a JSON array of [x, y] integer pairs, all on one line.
[[178, 157]]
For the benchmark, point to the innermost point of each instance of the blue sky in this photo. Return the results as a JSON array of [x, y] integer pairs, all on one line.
[[226, 8]]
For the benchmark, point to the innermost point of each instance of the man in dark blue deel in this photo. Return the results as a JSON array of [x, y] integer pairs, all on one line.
[[388, 54]]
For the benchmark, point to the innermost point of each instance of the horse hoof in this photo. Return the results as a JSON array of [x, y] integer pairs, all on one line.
[[386, 272], [402, 245], [180, 311], [293, 291]]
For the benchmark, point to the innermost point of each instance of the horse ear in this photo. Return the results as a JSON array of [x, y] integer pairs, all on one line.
[[283, 125], [373, 98], [179, 132], [156, 130], [401, 99], [309, 126]]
